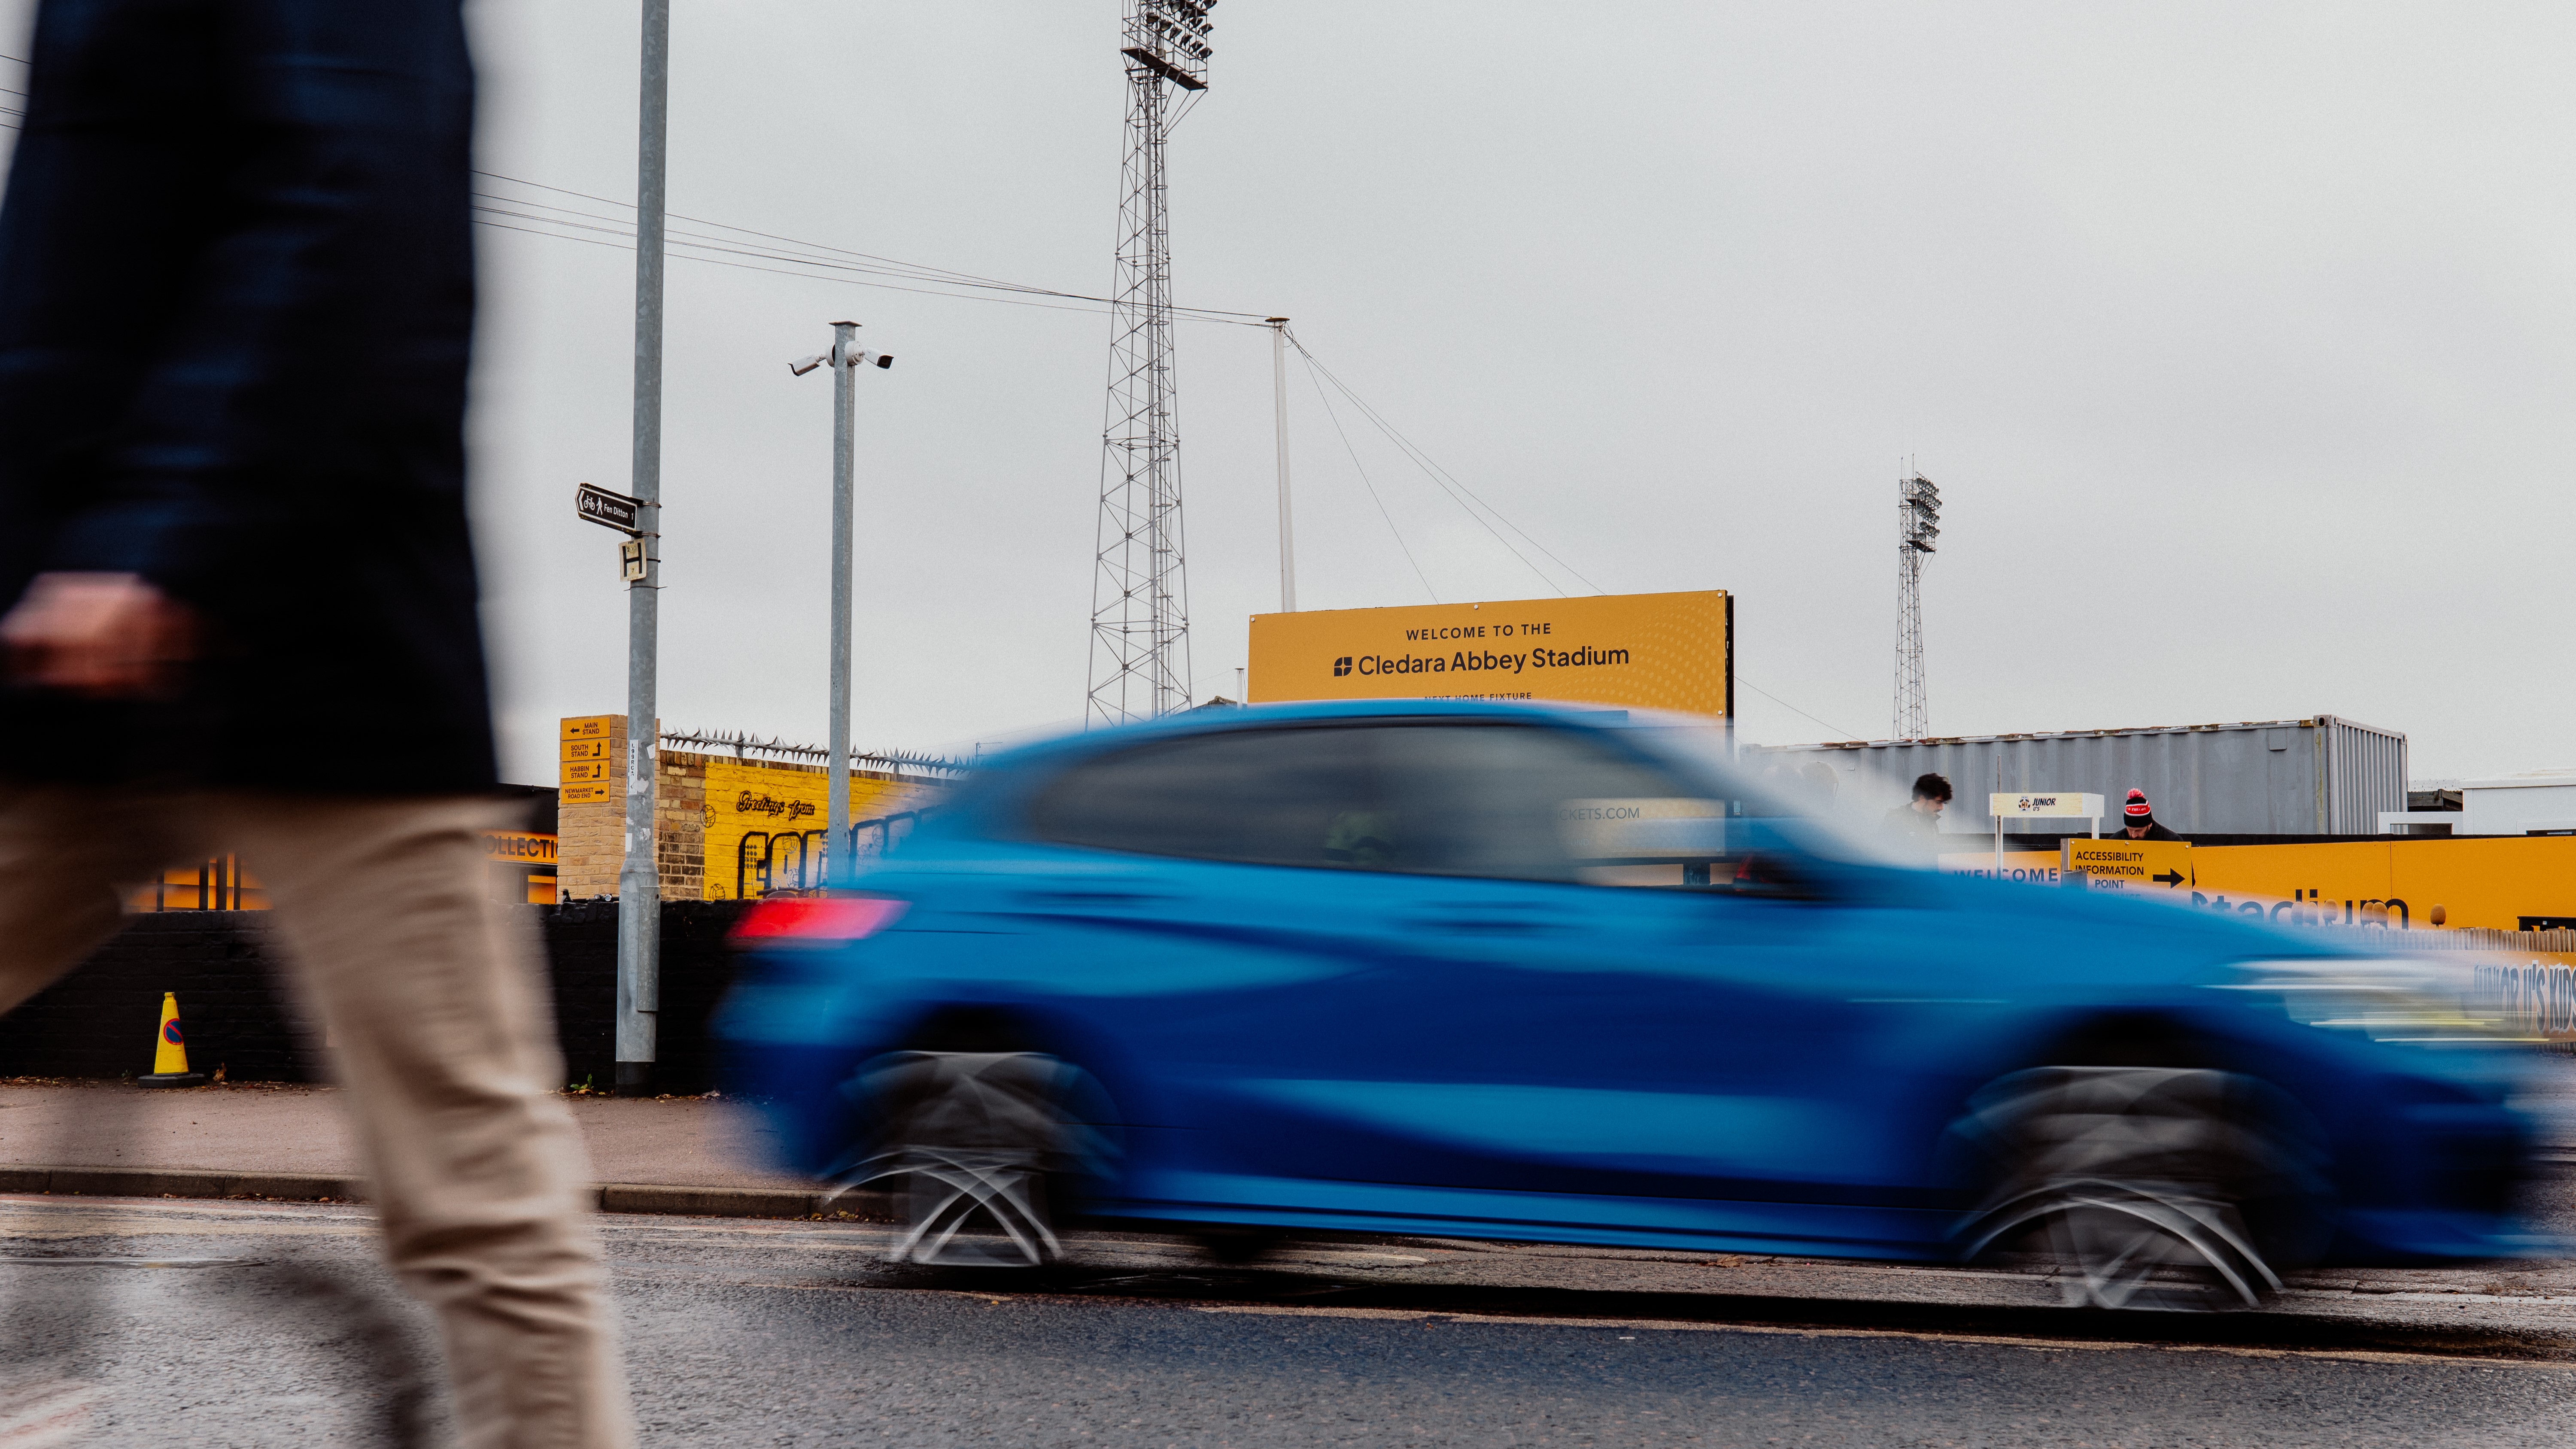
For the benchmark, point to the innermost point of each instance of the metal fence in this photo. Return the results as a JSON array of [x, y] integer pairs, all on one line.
[[2534, 997]]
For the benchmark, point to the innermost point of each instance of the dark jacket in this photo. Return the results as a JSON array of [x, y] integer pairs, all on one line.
[[2154, 831], [236, 293], [1917, 831]]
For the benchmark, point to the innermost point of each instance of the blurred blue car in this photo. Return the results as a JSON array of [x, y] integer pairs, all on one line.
[[1523, 973]]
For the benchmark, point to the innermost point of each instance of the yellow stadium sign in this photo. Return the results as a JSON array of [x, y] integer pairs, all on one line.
[[1648, 651]]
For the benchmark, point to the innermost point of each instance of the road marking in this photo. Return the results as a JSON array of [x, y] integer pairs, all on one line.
[[1995, 1340], [32, 1260]]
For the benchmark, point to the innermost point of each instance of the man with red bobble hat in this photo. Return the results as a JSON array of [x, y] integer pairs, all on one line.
[[2138, 820]]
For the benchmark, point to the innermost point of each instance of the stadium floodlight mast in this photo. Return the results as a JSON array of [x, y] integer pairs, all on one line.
[[1918, 523], [1140, 614], [838, 848]]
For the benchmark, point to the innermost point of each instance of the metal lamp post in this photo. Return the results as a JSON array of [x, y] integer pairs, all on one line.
[[639, 880], [838, 848]]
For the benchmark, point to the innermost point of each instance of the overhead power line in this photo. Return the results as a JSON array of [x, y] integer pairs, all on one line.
[[1356, 467], [748, 249], [1466, 498]]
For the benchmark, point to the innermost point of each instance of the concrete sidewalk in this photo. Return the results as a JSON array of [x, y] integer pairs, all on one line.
[[676, 1154]]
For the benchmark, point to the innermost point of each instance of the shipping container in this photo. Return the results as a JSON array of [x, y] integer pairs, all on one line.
[[2317, 776]]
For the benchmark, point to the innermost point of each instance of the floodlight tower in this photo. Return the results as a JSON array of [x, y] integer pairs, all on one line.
[[1140, 615], [1918, 523]]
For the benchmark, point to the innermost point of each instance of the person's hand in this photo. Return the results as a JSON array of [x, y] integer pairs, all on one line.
[[106, 636]]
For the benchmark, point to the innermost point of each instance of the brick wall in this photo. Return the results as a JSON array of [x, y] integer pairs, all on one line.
[[99, 1020], [680, 825], [591, 834]]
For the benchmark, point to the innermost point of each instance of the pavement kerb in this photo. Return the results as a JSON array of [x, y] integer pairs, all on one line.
[[613, 1197]]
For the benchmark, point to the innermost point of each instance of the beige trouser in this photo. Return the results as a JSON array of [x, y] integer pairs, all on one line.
[[444, 1040]]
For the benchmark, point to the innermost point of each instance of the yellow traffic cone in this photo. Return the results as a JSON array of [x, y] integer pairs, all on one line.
[[170, 1051]]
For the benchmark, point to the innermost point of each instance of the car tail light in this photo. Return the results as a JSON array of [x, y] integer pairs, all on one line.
[[816, 920]]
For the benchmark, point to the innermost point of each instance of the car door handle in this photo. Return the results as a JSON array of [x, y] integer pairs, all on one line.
[[1092, 898], [1485, 921]]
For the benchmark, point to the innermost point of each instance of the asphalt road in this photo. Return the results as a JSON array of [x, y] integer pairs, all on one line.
[[242, 1324]]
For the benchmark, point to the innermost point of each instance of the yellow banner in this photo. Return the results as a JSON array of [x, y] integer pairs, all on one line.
[[1649, 651], [2504, 884], [2030, 867]]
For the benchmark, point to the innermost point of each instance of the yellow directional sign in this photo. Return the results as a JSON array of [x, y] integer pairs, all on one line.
[[590, 759], [2135, 866]]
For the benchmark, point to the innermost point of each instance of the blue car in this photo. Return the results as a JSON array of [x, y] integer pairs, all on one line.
[[1507, 972]]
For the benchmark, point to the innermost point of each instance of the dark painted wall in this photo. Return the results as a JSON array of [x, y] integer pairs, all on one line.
[[226, 966]]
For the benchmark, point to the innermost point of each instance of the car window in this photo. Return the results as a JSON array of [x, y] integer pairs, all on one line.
[[1531, 803], [1267, 797]]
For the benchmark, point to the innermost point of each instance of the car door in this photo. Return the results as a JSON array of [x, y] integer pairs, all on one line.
[[1193, 897], [1559, 998]]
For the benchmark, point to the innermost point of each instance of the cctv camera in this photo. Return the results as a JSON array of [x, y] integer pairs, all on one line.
[[804, 365]]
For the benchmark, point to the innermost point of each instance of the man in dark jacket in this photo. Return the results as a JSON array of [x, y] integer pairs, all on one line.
[[1917, 822], [236, 294], [2138, 820]]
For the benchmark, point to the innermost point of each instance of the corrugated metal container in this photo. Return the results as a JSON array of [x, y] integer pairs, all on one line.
[[2320, 776]]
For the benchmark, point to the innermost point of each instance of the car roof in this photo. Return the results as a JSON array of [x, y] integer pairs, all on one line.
[[1208, 720]]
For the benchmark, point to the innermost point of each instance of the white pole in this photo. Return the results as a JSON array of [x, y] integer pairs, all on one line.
[[1287, 530]]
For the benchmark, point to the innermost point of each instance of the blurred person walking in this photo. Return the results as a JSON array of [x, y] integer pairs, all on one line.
[[236, 296]]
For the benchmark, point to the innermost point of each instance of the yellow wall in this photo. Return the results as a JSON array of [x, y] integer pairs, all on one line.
[[781, 809]]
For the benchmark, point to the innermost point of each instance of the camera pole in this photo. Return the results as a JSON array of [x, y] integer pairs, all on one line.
[[840, 852]]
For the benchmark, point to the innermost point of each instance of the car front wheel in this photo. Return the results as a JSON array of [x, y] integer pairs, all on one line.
[[2152, 1188]]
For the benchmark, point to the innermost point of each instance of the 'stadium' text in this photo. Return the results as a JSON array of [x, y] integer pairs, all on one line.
[[1486, 661]]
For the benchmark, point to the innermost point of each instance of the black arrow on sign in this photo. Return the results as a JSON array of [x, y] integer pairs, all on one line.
[[2171, 878]]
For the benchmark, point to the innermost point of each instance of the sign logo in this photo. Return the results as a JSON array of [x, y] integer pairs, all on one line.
[[1341, 666]]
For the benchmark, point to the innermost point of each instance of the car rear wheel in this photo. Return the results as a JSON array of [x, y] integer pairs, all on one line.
[[2153, 1188], [983, 1151]]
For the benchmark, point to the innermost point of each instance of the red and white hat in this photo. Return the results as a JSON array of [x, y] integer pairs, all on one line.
[[2137, 811]]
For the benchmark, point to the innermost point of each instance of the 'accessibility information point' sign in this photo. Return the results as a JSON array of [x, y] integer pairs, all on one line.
[[2135, 866]]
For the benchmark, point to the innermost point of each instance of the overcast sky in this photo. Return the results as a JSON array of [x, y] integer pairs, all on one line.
[[2237, 337]]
